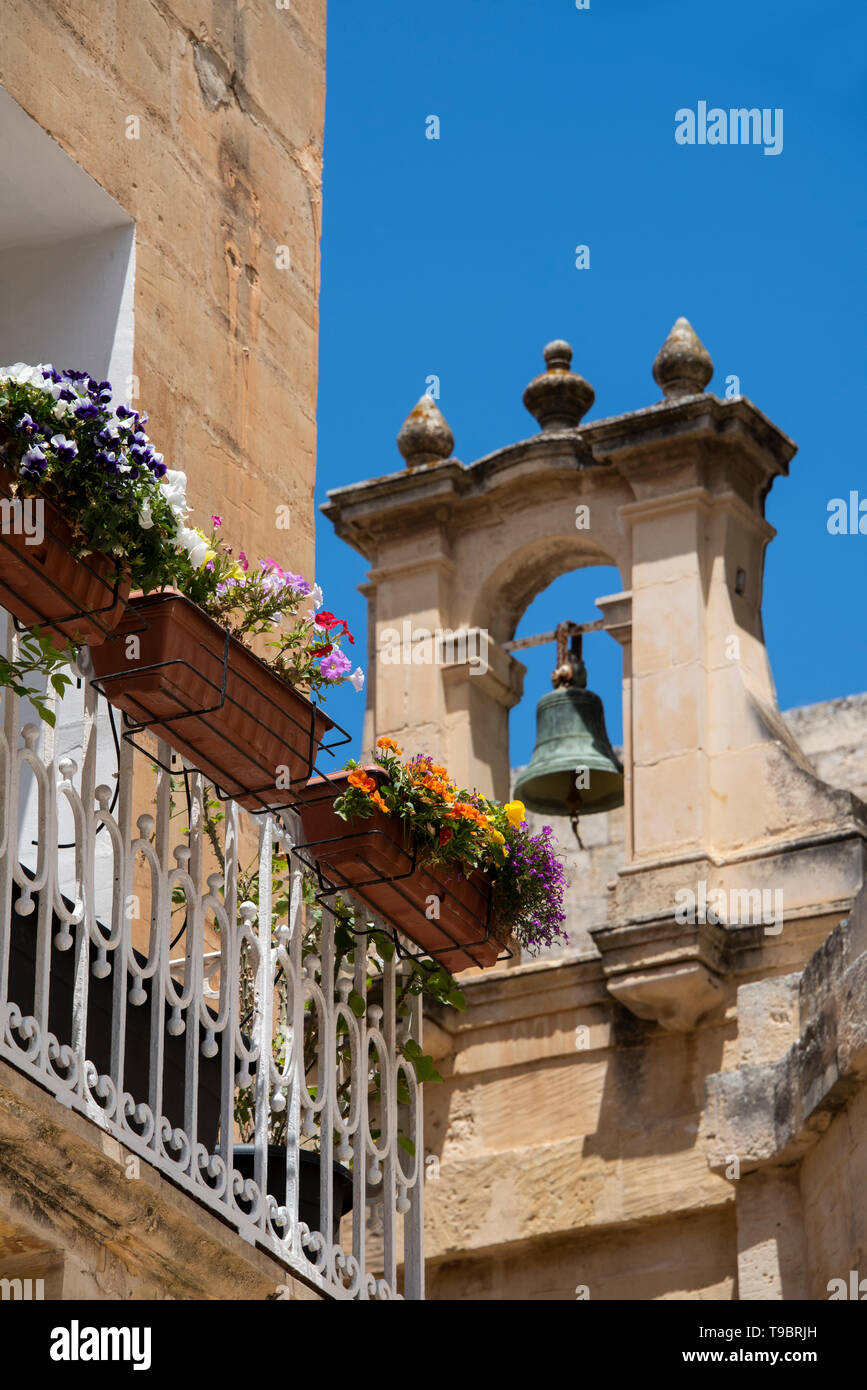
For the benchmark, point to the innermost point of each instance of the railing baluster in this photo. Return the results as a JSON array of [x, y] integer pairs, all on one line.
[[9, 813], [389, 1130], [328, 1082], [295, 1040], [264, 1016], [182, 998], [193, 981], [360, 1150], [124, 869], [162, 924], [413, 1226], [230, 981]]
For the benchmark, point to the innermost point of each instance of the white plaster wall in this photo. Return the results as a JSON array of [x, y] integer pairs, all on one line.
[[71, 303], [67, 275]]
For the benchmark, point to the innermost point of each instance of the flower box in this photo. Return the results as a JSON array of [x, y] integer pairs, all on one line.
[[374, 858], [252, 734], [45, 585]]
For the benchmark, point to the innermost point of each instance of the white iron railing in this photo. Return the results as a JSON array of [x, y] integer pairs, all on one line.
[[152, 1020]]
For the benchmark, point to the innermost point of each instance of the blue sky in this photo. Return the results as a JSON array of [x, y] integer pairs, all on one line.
[[456, 257]]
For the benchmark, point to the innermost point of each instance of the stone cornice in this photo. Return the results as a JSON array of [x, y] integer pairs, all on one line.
[[771, 1115], [362, 511], [697, 498]]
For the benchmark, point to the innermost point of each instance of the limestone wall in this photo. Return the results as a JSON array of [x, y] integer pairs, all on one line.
[[570, 1136], [792, 1113], [226, 170]]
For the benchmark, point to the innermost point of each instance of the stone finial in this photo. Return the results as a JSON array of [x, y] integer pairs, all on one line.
[[559, 397], [683, 365], [424, 435]]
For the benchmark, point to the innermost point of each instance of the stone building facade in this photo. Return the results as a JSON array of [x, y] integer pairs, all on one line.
[[667, 1109], [176, 116], [160, 209]]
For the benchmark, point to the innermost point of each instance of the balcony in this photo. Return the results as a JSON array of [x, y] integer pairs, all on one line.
[[167, 972]]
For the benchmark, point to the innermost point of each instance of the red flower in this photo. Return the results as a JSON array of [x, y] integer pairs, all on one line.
[[330, 620], [445, 835], [323, 651]]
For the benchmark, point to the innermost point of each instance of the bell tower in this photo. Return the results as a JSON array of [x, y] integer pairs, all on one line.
[[717, 792]]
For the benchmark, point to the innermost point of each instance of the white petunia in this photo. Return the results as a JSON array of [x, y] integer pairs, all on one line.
[[316, 595], [356, 680], [61, 410], [174, 485], [145, 518], [196, 546]]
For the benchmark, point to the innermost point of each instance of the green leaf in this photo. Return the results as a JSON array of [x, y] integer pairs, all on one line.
[[357, 1004], [406, 1144], [423, 1065], [344, 941], [426, 1071]]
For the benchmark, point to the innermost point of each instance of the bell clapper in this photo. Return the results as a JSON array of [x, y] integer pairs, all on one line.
[[575, 802]]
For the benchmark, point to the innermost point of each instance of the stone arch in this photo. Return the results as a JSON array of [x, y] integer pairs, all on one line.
[[525, 572]]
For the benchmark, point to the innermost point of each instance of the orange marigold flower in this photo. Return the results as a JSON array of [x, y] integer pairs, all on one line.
[[377, 800]]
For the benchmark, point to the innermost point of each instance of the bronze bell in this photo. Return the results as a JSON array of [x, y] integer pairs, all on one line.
[[574, 771]]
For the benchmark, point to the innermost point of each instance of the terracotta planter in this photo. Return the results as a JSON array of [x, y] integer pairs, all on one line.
[[373, 857], [172, 682], [42, 584]]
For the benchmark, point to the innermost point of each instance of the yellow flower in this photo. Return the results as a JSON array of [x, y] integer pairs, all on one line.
[[516, 812], [497, 837], [209, 556]]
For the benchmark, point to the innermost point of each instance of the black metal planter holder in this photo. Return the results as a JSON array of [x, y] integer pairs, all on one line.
[[330, 887], [134, 727], [420, 956]]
